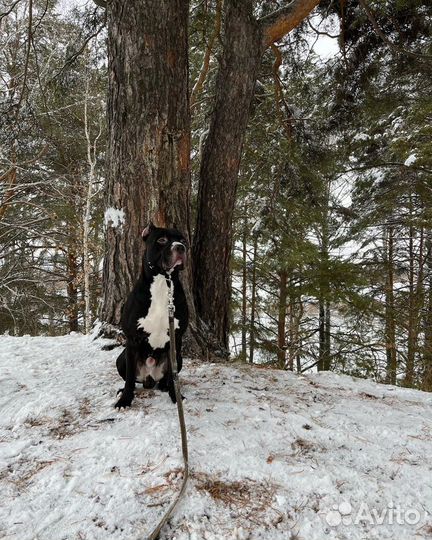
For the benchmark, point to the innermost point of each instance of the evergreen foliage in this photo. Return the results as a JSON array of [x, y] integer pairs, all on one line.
[[332, 265]]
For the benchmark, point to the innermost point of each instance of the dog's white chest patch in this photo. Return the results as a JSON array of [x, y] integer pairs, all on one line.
[[156, 323]]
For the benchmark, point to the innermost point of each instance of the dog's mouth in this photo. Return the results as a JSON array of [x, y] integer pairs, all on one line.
[[177, 261]]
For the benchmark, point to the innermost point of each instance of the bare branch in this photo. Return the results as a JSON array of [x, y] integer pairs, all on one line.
[[278, 24], [75, 55], [206, 61], [27, 59], [386, 164], [9, 11], [24, 163], [321, 33]]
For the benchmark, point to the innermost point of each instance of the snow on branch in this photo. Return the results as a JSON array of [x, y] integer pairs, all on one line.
[[410, 160]]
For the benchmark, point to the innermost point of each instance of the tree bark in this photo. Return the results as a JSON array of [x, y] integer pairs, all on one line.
[[282, 312], [244, 295], [278, 24], [390, 324], [149, 135], [427, 349], [415, 301], [72, 287], [253, 303], [244, 41], [219, 168], [409, 370], [324, 363], [327, 334]]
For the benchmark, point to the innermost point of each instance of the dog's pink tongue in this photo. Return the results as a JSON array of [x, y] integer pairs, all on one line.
[[150, 362]]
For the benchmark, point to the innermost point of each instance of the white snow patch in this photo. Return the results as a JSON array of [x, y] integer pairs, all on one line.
[[114, 217], [410, 160], [272, 454], [156, 322]]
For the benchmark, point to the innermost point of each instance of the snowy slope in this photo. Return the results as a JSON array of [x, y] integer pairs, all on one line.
[[273, 455]]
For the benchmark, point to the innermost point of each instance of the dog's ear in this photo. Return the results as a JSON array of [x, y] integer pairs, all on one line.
[[147, 231]]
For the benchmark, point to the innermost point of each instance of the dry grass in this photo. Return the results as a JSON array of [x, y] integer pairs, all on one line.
[[251, 501], [34, 421], [23, 472], [248, 500], [85, 408], [426, 434], [66, 426], [302, 447], [405, 459], [365, 395], [248, 496], [426, 530], [153, 490]]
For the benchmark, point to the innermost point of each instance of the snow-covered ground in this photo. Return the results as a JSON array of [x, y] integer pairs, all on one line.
[[273, 455]]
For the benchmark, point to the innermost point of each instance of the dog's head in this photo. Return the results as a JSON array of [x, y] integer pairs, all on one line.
[[165, 248]]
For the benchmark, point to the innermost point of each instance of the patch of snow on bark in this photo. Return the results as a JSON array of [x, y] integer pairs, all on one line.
[[114, 217]]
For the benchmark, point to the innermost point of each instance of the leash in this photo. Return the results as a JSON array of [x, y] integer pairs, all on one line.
[[173, 367]]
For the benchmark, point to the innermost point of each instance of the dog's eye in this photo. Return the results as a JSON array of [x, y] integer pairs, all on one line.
[[162, 240]]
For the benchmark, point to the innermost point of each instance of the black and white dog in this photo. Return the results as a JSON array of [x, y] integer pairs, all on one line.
[[145, 316]]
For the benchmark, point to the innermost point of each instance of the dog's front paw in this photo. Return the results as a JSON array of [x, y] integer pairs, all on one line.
[[125, 400]]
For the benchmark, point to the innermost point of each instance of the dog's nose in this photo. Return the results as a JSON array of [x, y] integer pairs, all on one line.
[[179, 247]]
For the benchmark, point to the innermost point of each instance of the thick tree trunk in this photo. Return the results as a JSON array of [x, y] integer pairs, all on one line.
[[244, 41], [219, 168], [149, 135]]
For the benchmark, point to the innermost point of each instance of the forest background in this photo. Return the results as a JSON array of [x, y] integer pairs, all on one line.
[[331, 261]]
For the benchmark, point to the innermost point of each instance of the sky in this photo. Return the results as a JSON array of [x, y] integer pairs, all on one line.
[[325, 46]]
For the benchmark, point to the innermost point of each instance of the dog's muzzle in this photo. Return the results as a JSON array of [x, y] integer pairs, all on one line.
[[178, 254]]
